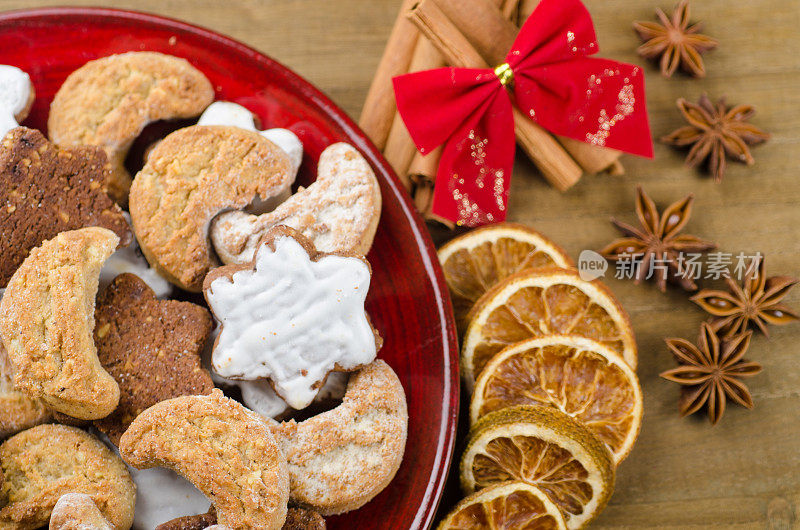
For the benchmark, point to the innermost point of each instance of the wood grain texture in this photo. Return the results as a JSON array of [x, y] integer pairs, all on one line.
[[683, 473]]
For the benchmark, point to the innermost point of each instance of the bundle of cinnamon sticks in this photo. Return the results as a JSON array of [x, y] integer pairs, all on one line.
[[472, 34]]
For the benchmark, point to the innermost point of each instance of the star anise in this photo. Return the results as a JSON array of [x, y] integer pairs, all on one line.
[[711, 372], [755, 302], [675, 41], [658, 246], [716, 132]]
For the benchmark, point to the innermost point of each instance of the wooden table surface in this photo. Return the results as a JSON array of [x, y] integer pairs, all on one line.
[[744, 472]]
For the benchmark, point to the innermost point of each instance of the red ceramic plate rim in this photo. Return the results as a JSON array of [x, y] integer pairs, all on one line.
[[444, 452]]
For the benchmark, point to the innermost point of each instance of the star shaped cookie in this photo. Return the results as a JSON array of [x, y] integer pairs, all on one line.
[[292, 315], [151, 347], [48, 190]]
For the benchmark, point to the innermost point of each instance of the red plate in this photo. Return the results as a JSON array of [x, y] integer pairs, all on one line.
[[408, 301]]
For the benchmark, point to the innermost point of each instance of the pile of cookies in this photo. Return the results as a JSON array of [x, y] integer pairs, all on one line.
[[548, 359], [113, 407]]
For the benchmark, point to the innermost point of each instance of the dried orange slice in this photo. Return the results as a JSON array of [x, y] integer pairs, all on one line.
[[540, 302], [508, 505], [544, 447], [578, 376], [481, 258]]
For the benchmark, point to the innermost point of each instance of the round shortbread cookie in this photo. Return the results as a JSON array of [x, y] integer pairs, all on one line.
[[190, 177], [45, 462]]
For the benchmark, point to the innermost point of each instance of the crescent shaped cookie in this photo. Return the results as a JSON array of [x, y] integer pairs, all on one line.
[[46, 323], [223, 449], [45, 462], [108, 102], [337, 213], [340, 459], [291, 316], [190, 177]]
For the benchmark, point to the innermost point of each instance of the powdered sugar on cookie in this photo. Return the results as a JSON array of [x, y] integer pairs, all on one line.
[[292, 316], [16, 96], [338, 213]]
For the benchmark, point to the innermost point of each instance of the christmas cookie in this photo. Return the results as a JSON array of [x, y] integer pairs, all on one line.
[[46, 323], [45, 462], [340, 459], [16, 97], [292, 315], [220, 447], [150, 347], [77, 511], [47, 190], [337, 213], [17, 411], [107, 102], [190, 177]]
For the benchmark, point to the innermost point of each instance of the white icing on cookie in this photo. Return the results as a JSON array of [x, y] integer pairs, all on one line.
[[227, 113], [292, 320], [130, 259], [15, 91]]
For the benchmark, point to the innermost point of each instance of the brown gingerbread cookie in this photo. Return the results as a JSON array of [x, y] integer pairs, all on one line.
[[151, 347], [303, 519], [47, 190], [191, 522], [296, 519]]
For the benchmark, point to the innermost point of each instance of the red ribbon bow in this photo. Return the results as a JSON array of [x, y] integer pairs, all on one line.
[[555, 82]]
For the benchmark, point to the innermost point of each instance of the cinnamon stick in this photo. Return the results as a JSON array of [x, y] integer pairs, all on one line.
[[526, 7], [400, 149], [591, 158], [422, 173], [557, 167], [510, 10], [492, 35], [378, 112]]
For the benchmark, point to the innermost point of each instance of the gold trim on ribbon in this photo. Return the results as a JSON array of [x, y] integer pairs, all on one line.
[[505, 74]]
